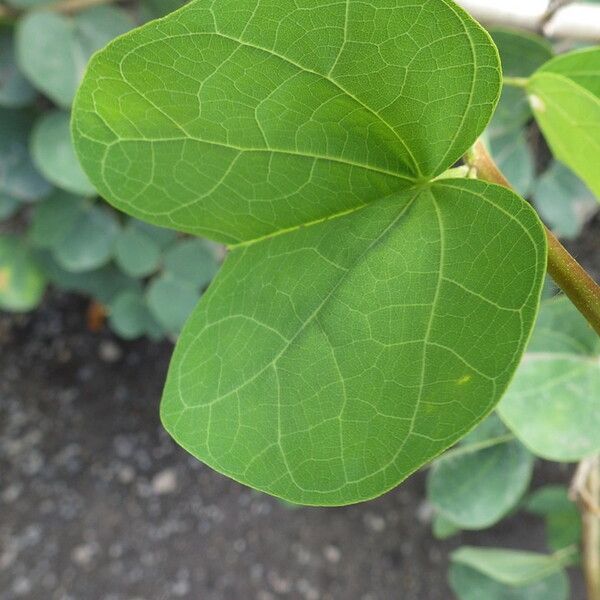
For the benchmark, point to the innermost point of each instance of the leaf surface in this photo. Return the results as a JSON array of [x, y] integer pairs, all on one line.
[[53, 154], [327, 364], [512, 567], [298, 112], [476, 489], [470, 584], [565, 97], [553, 404]]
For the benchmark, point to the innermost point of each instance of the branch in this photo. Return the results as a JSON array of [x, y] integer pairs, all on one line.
[[558, 19], [567, 273]]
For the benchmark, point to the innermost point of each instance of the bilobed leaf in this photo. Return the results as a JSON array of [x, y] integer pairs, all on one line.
[[52, 49], [470, 584], [553, 405], [365, 318], [475, 489], [512, 567], [21, 281], [565, 97], [54, 156]]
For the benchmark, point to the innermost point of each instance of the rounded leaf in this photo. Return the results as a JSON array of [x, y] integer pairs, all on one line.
[[553, 405], [469, 584], [193, 261], [476, 489], [52, 49], [171, 300], [327, 364], [19, 178], [15, 90], [22, 284], [90, 241], [129, 316], [257, 117], [136, 252], [54, 155]]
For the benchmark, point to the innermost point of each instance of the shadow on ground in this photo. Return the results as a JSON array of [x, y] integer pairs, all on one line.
[[97, 503]]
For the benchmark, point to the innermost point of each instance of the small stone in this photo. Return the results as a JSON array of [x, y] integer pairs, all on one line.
[[83, 554], [374, 522], [164, 482], [109, 351], [126, 474], [332, 554]]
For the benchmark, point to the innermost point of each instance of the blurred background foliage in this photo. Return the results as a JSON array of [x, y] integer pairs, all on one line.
[[143, 280]]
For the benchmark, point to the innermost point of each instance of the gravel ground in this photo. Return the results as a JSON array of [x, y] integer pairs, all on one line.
[[97, 503]]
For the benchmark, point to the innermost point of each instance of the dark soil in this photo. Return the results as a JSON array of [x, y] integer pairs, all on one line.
[[97, 503]]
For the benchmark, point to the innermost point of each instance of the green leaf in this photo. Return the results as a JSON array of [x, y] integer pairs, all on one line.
[[521, 54], [8, 206], [89, 242], [512, 567], [19, 178], [563, 521], [54, 155], [161, 236], [103, 284], [564, 201], [193, 261], [22, 284], [136, 252], [470, 584], [306, 112], [366, 318], [443, 528], [52, 49], [54, 218], [129, 315], [553, 405], [15, 90], [511, 151], [565, 96], [474, 490], [340, 350], [159, 8], [171, 300]]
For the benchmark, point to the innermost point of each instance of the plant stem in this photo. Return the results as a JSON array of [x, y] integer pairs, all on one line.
[[585, 490], [567, 273], [520, 82]]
